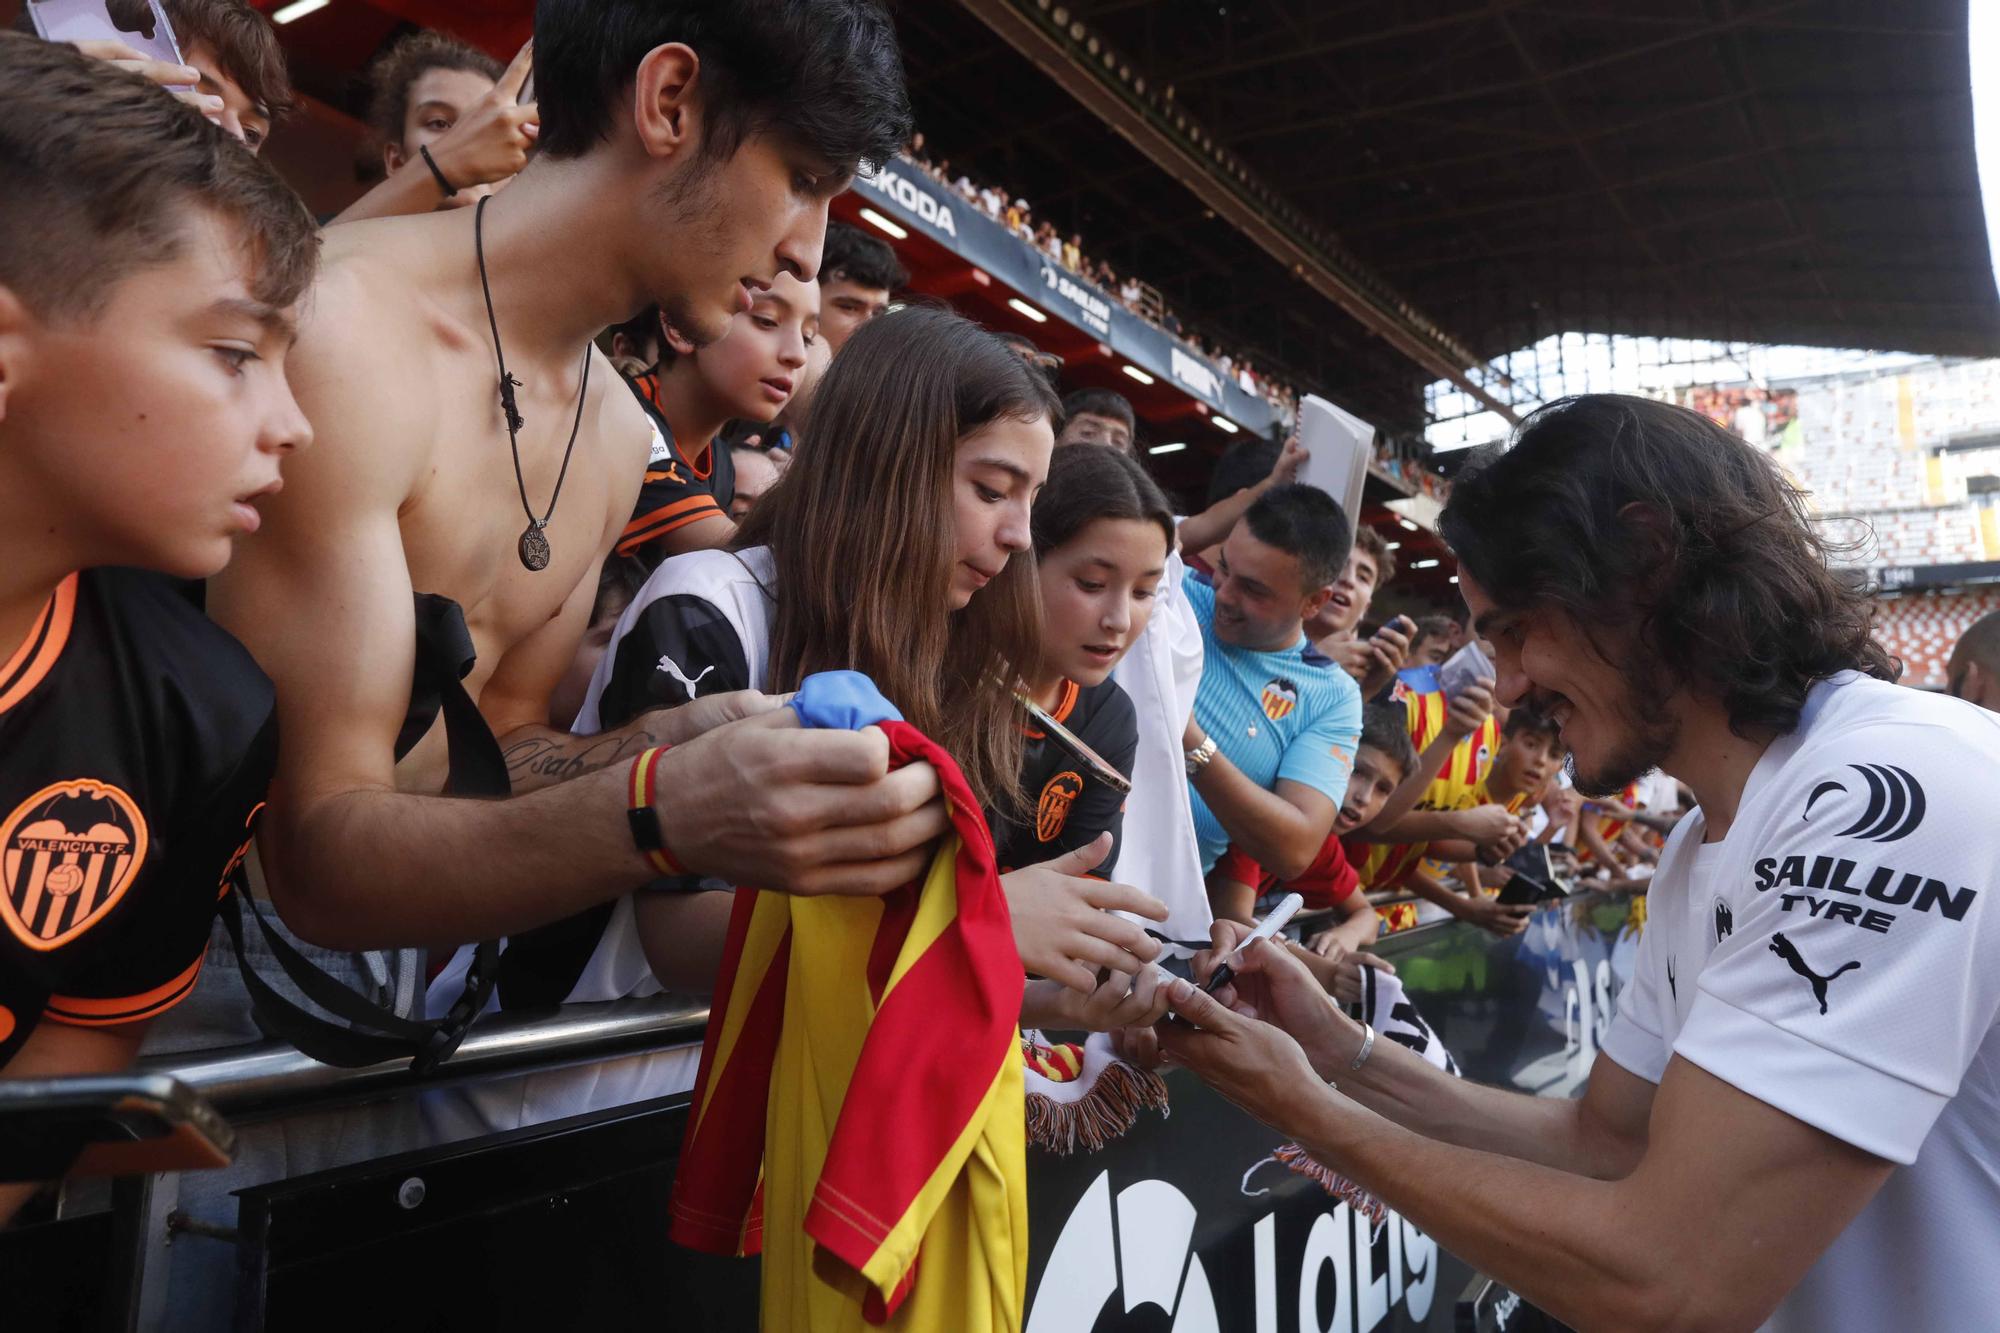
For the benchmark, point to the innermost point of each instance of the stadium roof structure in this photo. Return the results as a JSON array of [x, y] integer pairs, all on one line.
[[1370, 197]]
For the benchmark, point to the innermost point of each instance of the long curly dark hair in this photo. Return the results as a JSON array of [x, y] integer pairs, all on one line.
[[1636, 516]]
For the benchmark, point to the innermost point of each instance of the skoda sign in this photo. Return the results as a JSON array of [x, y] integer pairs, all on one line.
[[895, 183]]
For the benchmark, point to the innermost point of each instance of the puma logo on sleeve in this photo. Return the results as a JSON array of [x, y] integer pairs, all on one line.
[[673, 668], [1787, 951]]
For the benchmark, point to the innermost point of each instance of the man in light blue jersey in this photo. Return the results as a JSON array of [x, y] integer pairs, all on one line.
[[1272, 736]]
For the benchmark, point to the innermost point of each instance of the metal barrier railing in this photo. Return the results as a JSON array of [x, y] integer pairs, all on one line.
[[269, 1080]]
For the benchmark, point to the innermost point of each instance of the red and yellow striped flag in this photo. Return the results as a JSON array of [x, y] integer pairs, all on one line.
[[860, 1097]]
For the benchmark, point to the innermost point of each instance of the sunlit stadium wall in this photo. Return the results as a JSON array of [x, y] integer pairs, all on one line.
[[1899, 456]]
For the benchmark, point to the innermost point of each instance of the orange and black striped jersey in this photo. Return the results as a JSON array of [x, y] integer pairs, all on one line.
[[139, 742], [1062, 806], [679, 490]]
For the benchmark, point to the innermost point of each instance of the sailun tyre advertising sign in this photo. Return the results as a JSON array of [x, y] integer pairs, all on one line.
[[906, 192]]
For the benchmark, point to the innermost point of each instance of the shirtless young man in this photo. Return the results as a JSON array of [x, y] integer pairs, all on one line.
[[688, 174]]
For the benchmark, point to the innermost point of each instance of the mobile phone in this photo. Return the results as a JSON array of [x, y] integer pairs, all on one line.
[[1527, 891], [140, 24], [1534, 880], [1071, 742], [107, 1125], [1464, 669]]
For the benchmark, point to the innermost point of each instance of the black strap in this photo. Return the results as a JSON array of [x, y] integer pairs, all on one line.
[[437, 172], [1364, 1008], [375, 1033], [444, 658]]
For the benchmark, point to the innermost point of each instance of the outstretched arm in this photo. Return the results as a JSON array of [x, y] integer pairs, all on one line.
[[1605, 1247], [488, 146], [1209, 527], [322, 598], [1465, 715]]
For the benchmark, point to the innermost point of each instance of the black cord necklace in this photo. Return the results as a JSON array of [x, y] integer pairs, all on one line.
[[534, 543]]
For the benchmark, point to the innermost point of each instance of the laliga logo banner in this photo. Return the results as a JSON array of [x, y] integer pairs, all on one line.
[[892, 182], [1116, 1258]]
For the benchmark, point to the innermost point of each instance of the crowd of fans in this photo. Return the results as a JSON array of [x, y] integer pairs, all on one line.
[[759, 408], [575, 740], [1018, 217], [1767, 418]]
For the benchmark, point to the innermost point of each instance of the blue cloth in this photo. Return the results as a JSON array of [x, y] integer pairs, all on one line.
[[1421, 679], [1272, 714], [841, 701]]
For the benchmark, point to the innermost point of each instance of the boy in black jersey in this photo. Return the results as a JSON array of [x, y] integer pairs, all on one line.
[[748, 374], [137, 736]]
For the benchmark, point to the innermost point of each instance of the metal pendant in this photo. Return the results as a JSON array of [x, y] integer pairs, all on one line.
[[534, 548]]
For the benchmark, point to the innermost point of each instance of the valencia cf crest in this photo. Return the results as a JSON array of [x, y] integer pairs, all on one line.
[[1280, 697], [67, 855], [1052, 810]]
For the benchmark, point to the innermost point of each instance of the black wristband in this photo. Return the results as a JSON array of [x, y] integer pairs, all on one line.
[[646, 832], [431, 162]]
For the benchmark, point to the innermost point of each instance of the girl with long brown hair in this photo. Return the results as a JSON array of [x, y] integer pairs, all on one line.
[[1102, 531], [897, 544]]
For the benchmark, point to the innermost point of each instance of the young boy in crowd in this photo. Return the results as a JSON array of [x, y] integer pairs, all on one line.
[[433, 94], [1382, 759], [860, 273], [239, 77], [1436, 639], [138, 736], [1373, 661], [1099, 416], [1455, 741], [235, 50], [747, 375], [756, 472], [1531, 754]]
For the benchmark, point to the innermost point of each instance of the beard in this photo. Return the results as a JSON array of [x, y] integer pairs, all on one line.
[[1654, 734], [691, 206]]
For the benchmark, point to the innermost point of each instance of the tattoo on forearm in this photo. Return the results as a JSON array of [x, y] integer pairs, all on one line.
[[558, 759]]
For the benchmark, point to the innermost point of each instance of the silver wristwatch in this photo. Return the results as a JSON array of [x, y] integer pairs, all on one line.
[[1198, 757]]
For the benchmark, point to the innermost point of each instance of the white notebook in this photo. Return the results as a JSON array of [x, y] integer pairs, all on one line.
[[1339, 445]]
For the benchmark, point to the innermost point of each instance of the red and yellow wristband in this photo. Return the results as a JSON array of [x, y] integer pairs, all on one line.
[[643, 818]]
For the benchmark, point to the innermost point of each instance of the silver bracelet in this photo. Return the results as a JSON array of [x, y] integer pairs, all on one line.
[[1367, 1046]]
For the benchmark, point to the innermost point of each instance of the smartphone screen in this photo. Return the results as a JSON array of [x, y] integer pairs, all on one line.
[[140, 24], [1070, 741]]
